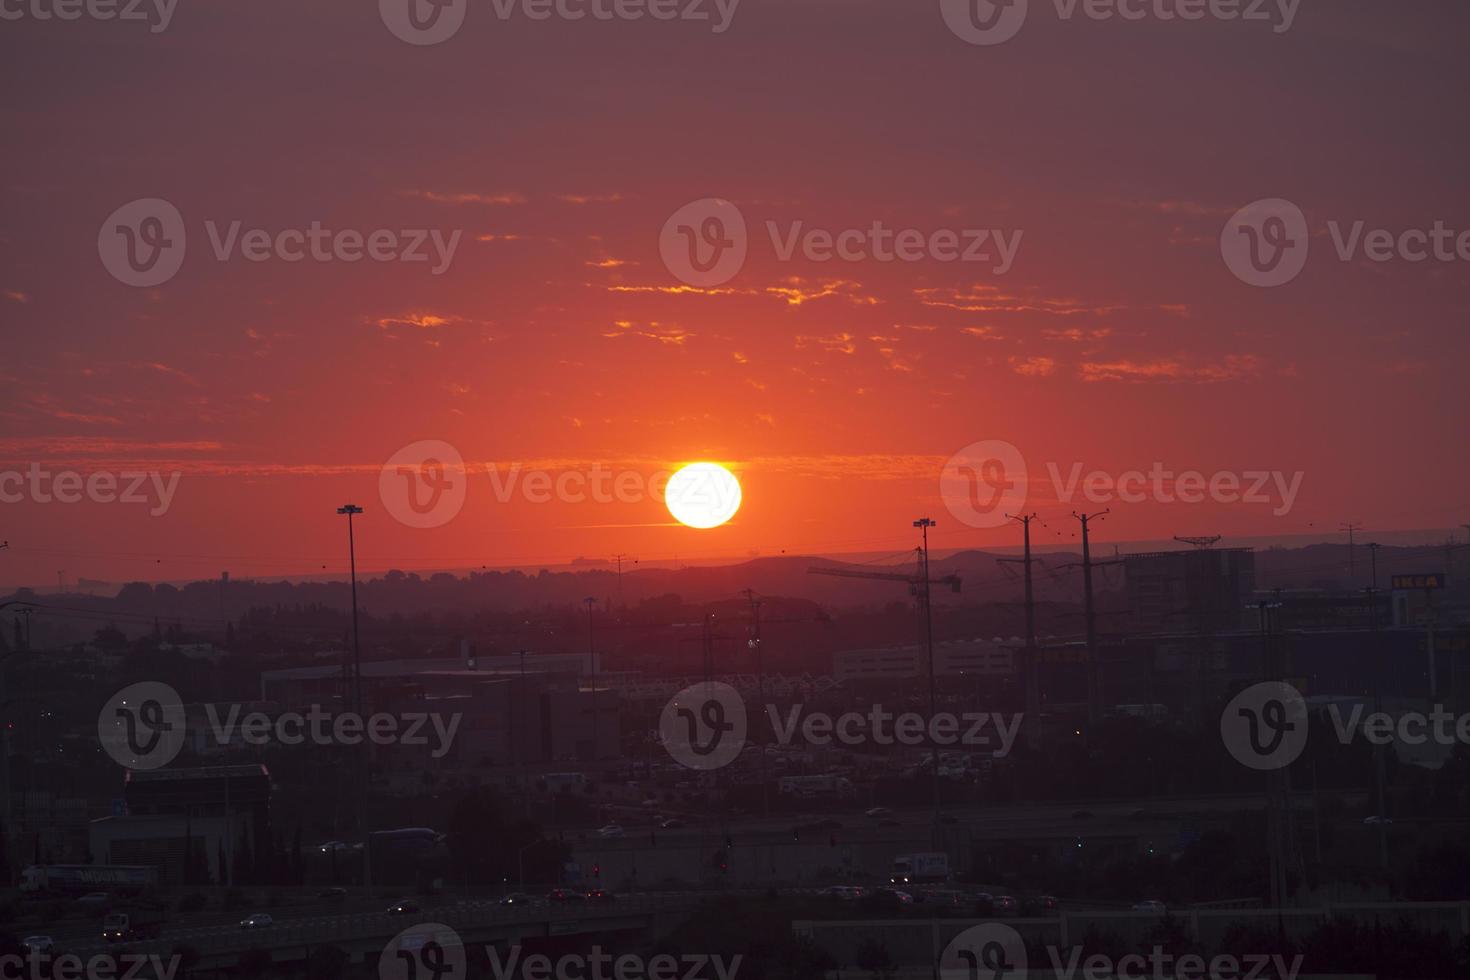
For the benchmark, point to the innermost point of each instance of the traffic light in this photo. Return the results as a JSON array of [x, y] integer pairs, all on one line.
[[597, 871]]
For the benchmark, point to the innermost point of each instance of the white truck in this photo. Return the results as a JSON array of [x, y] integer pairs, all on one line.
[[924, 868]]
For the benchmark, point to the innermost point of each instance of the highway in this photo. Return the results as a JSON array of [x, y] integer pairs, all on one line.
[[477, 920]]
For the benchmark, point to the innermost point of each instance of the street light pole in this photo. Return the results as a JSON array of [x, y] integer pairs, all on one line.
[[350, 510], [924, 524]]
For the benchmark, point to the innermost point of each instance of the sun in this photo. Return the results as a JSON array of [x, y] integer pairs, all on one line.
[[702, 495]]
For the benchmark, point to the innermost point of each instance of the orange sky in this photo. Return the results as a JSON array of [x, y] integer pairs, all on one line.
[[556, 337]]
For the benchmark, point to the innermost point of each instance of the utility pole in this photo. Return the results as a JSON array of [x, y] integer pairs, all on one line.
[[1376, 660], [1094, 705], [619, 559], [592, 668], [924, 524], [760, 680], [1352, 561], [1029, 682]]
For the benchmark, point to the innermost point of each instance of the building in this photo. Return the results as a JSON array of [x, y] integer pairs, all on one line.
[[952, 659], [1202, 590], [189, 823]]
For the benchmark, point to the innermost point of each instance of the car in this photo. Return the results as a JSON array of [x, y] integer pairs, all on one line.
[[38, 944], [1005, 905], [260, 920], [878, 811], [1152, 906], [610, 830], [95, 898], [847, 893], [333, 894], [518, 898], [1044, 903], [565, 895], [904, 898], [404, 906], [673, 823], [599, 895], [335, 847]]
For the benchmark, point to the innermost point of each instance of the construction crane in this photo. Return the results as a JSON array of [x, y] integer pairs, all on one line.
[[914, 581], [1200, 543]]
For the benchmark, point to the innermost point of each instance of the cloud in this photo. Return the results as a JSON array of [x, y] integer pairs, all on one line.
[[797, 291], [590, 198], [449, 197], [652, 331], [1033, 367], [1235, 367]]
